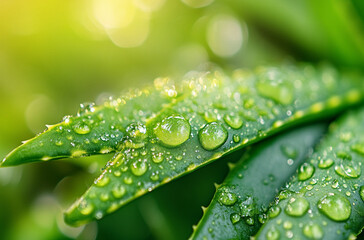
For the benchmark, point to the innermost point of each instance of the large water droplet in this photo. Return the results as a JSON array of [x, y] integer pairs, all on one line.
[[335, 207], [297, 207], [233, 121], [226, 197], [212, 136], [348, 169], [313, 231], [305, 171], [274, 211], [81, 128], [172, 131], [361, 192], [273, 234], [139, 167]]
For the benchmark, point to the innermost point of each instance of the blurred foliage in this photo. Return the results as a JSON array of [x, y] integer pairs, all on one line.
[[56, 54]]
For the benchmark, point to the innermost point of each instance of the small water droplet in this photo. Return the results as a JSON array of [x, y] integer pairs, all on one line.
[[212, 136], [313, 231], [289, 151], [247, 207], [59, 143], [102, 181], [86, 108], [81, 128], [154, 176], [136, 135], [305, 171], [157, 157], [236, 138], [85, 208], [250, 221], [297, 207], [128, 180], [172, 131], [139, 167], [346, 136], [335, 207], [118, 191], [358, 148], [234, 218], [226, 197], [273, 234], [274, 211], [344, 155], [325, 163], [287, 225], [233, 121]]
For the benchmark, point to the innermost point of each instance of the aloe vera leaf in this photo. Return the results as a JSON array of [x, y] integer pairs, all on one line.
[[239, 205], [95, 129], [218, 115], [325, 199]]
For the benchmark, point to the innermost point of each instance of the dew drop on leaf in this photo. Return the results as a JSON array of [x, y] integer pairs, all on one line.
[[273, 234], [325, 163], [226, 197], [313, 231], [305, 171], [289, 151], [212, 136], [234, 218], [335, 207], [86, 208], [348, 169], [81, 128], [157, 157], [102, 181], [361, 192], [172, 131], [297, 207], [86, 108], [233, 121], [118, 191], [287, 225], [358, 148], [274, 211], [139, 167]]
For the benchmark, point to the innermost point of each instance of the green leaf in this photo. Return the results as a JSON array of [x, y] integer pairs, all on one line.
[[253, 184], [95, 129], [211, 115], [325, 199]]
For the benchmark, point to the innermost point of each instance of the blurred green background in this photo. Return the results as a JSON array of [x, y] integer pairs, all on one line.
[[57, 54]]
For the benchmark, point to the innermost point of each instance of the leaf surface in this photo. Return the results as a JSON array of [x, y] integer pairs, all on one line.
[[239, 205], [325, 199], [211, 115]]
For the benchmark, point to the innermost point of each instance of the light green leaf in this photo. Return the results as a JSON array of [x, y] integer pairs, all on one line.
[[253, 184], [325, 199]]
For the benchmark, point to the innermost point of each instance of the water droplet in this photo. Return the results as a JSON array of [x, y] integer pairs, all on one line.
[[233, 121], [104, 197], [212, 136], [226, 197], [325, 163], [274, 211], [348, 169], [138, 168], [86, 108], [59, 143], [361, 192], [247, 207], [358, 148], [343, 155], [234, 218], [305, 171], [136, 135], [128, 180], [118, 191], [102, 181], [289, 151], [157, 157], [172, 131], [346, 136], [273, 234], [154, 176], [236, 138], [85, 208], [250, 221], [313, 231], [287, 225], [297, 207], [270, 85], [335, 207], [81, 128]]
